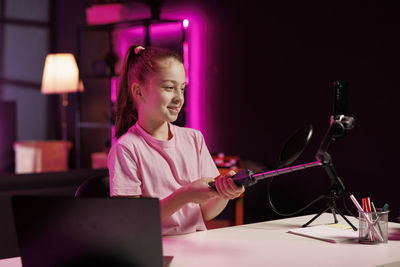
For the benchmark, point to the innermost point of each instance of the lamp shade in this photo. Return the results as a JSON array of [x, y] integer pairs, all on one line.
[[60, 75]]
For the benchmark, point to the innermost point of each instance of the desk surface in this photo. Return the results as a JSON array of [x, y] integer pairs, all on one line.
[[269, 244]]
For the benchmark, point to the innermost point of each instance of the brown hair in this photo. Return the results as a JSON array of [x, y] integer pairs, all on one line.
[[138, 64]]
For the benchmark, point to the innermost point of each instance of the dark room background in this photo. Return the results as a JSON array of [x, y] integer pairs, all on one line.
[[269, 70]]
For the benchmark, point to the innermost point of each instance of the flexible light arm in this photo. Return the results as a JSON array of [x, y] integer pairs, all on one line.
[[248, 178]]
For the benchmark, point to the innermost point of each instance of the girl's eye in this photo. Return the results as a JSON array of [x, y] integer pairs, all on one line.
[[183, 89], [169, 88]]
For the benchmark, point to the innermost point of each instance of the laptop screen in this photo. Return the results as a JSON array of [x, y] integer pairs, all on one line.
[[65, 231]]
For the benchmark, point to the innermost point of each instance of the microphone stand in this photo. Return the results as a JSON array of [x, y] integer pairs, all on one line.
[[339, 125]]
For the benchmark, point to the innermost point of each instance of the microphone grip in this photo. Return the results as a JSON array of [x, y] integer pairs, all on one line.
[[243, 177]]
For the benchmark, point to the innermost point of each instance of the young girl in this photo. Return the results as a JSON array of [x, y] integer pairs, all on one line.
[[154, 158]]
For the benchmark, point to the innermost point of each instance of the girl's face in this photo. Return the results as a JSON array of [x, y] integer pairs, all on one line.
[[162, 97]]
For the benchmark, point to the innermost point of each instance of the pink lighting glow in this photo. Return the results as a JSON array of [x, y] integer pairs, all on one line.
[[196, 51], [102, 14], [186, 60], [113, 93], [124, 38], [114, 88], [113, 139], [165, 31], [111, 13]]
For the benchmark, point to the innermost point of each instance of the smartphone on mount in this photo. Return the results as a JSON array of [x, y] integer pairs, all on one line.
[[341, 96], [340, 105]]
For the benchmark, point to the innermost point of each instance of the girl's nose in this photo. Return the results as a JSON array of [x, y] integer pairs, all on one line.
[[178, 97]]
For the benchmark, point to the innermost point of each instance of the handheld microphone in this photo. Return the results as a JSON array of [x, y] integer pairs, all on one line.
[[242, 177]]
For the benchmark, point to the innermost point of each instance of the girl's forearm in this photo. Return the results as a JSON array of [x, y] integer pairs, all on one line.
[[172, 204], [196, 192], [212, 208]]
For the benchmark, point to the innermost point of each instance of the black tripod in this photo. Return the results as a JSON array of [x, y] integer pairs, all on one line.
[[336, 130], [331, 206], [332, 195]]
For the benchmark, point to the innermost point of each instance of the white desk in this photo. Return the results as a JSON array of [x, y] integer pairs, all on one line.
[[269, 244]]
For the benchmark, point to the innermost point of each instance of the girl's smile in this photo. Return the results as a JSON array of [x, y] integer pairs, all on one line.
[[174, 110]]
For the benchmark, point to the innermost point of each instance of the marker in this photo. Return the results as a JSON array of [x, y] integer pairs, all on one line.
[[371, 226], [368, 204], [385, 207]]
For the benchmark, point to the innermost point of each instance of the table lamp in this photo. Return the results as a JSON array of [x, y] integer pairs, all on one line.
[[61, 76]]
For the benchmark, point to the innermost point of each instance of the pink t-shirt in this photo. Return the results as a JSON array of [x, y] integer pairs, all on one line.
[[141, 165]]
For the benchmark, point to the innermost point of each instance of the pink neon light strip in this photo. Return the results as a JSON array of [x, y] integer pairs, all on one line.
[[186, 60], [193, 53]]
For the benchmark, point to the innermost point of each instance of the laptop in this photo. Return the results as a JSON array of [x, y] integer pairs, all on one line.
[[66, 231]]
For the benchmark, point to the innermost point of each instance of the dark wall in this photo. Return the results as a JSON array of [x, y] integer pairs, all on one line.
[[270, 71], [8, 135], [69, 16]]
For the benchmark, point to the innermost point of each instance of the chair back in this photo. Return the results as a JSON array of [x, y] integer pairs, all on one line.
[[95, 186]]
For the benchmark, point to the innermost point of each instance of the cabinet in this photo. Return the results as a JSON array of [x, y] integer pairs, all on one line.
[[101, 49]]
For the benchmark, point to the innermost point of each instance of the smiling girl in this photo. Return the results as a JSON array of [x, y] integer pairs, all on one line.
[[154, 158]]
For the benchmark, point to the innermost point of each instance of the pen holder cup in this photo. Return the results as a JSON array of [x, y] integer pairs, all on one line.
[[373, 227]]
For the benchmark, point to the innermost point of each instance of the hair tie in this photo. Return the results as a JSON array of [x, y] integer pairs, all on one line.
[[138, 49]]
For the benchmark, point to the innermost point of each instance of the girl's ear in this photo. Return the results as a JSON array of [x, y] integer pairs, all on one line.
[[136, 91]]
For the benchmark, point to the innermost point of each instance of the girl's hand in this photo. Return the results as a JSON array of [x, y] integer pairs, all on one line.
[[226, 187], [199, 191]]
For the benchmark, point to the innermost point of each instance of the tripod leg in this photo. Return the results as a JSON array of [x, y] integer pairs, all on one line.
[[347, 220], [333, 209], [315, 217]]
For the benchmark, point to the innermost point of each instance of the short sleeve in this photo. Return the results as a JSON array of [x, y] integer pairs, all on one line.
[[124, 180], [207, 164]]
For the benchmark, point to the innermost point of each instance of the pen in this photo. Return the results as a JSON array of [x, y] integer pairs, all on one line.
[[371, 226], [366, 206], [378, 218]]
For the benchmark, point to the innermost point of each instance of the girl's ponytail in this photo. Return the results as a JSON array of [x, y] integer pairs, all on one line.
[[126, 112]]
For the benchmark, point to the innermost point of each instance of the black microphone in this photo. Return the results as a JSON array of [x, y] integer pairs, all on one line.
[[242, 177]]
